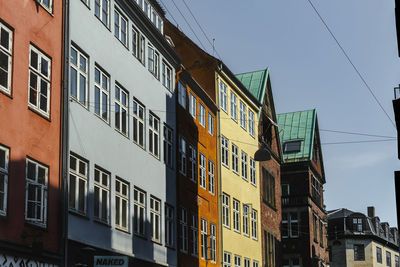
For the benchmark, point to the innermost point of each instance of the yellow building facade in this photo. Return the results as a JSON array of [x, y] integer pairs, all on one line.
[[239, 178]]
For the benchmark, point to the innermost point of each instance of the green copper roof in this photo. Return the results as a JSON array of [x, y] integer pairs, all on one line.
[[298, 126], [255, 82]]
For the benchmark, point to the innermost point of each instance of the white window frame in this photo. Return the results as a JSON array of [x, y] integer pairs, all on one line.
[[192, 105], [8, 51], [103, 90], [139, 207], [168, 146], [251, 122], [194, 228], [204, 239], [238, 261], [202, 171], [233, 106], [227, 259], [226, 210], [154, 135], [153, 61], [102, 187], [225, 151], [290, 222], [184, 230], [41, 78], [235, 158], [135, 42], [119, 33], [193, 163], [81, 67], [202, 115], [182, 155], [121, 108], [253, 177], [246, 219], [236, 215], [210, 123], [167, 76], [213, 242], [4, 173], [138, 121], [223, 96], [211, 177], [243, 122], [246, 262], [42, 192], [104, 12], [122, 196], [254, 229], [155, 219], [255, 263], [169, 225], [49, 7], [80, 173], [244, 165], [182, 94]]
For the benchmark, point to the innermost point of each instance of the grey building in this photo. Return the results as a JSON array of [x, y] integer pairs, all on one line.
[[120, 134]]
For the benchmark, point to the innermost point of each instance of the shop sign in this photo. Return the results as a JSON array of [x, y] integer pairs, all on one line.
[[110, 261]]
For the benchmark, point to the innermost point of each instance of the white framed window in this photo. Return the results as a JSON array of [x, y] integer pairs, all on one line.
[[102, 10], [39, 81], [210, 123], [182, 155], [203, 172], [246, 262], [139, 211], [194, 243], [202, 115], [6, 50], [255, 263], [101, 195], [290, 225], [243, 122], [101, 94], [47, 4], [224, 151], [183, 230], [121, 204], [192, 105], [238, 261], [192, 169], [226, 210], [78, 178], [182, 94], [211, 177], [142, 50], [253, 178], [121, 110], [4, 159], [213, 243], [168, 145], [227, 259], [120, 27], [36, 193], [135, 42], [138, 114], [254, 234], [236, 215], [167, 76], [251, 123], [169, 225], [155, 219], [153, 61], [245, 220], [78, 76], [204, 233], [154, 135], [244, 166], [235, 159], [222, 96], [233, 106]]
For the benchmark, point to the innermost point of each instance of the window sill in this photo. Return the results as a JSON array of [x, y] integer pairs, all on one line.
[[269, 205], [226, 166], [246, 179], [4, 92], [86, 4], [74, 99], [236, 172], [34, 110], [79, 214], [105, 25], [141, 236], [97, 220], [170, 247], [226, 226], [40, 226], [158, 242], [126, 231], [157, 158], [121, 133], [236, 231], [45, 8]]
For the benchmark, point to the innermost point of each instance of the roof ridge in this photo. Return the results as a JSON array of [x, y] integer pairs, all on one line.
[[266, 69], [313, 109]]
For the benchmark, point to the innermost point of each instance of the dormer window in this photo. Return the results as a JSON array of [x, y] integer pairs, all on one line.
[[292, 146], [357, 224]]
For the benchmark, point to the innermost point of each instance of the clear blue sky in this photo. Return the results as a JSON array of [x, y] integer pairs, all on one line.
[[309, 71]]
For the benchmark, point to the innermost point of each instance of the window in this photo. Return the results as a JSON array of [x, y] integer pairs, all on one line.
[[290, 224], [4, 152], [243, 122], [182, 94], [182, 156], [168, 146], [316, 189], [139, 210], [388, 258], [225, 210], [121, 110], [211, 177], [357, 224], [138, 123], [251, 123], [292, 262], [379, 254], [6, 42], [120, 27], [359, 254], [78, 176], [292, 147], [238, 261], [236, 215], [101, 94], [268, 188], [47, 4], [192, 105], [153, 62], [167, 76], [285, 190], [135, 42], [39, 81], [255, 263], [321, 234], [254, 224], [169, 225], [244, 166], [155, 219], [101, 10], [183, 230], [204, 233], [142, 49], [192, 169], [253, 178], [245, 220], [154, 135], [78, 76], [213, 243], [269, 249], [202, 115], [224, 152], [194, 246], [101, 195], [396, 261], [203, 175], [222, 96], [210, 124], [36, 192], [121, 204], [315, 229], [227, 259], [235, 159], [233, 106], [246, 262]]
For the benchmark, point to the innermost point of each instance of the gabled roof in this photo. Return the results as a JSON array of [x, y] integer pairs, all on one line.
[[298, 126], [339, 213], [255, 82]]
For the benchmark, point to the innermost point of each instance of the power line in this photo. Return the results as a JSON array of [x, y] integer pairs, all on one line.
[[351, 62], [169, 12], [358, 142]]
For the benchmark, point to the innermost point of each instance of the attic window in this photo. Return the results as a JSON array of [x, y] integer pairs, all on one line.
[[292, 146]]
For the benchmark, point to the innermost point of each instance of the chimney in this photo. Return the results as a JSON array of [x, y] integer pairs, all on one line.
[[371, 211]]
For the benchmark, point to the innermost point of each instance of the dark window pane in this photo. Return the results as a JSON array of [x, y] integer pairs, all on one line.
[[73, 82], [34, 59], [72, 184], [97, 100], [3, 78], [45, 67], [104, 200], [81, 200], [74, 56], [82, 89], [31, 171], [4, 39], [2, 159], [117, 211]]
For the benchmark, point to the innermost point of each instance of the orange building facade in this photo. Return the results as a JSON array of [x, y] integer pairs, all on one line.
[[30, 104]]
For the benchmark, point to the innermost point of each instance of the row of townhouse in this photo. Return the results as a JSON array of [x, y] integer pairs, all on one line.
[[137, 148]]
